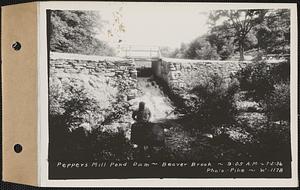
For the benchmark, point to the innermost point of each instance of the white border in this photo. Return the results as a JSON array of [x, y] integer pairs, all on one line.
[[216, 182]]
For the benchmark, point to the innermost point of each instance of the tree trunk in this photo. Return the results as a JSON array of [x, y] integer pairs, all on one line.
[[241, 50]]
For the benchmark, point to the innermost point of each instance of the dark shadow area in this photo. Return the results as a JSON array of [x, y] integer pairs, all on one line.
[[143, 72]]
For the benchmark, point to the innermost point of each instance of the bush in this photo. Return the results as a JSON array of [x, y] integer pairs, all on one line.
[[278, 103], [96, 145], [260, 77], [225, 52], [272, 141], [257, 79], [108, 145], [76, 134], [214, 104], [268, 83], [79, 105], [81, 109], [69, 128], [200, 48]]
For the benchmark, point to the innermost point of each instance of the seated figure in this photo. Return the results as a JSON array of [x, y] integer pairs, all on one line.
[[142, 115], [140, 129]]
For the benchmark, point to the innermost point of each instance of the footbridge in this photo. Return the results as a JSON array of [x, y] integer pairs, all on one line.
[[143, 57]]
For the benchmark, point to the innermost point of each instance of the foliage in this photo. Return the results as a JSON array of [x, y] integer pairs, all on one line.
[[257, 80], [200, 48], [278, 103], [76, 117], [273, 34], [107, 145], [79, 109], [238, 23], [215, 101], [220, 38], [74, 32], [179, 52], [262, 30], [167, 52], [94, 145], [268, 83], [117, 28], [76, 101], [260, 77], [272, 140], [267, 30]]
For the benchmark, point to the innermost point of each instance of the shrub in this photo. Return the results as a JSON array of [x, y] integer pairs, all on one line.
[[257, 79], [109, 145], [80, 145], [225, 52], [79, 105], [281, 72], [76, 134], [260, 77], [272, 141], [200, 48], [278, 103], [81, 109], [215, 101]]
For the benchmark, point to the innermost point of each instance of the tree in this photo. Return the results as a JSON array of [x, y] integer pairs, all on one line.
[[166, 51], [222, 39], [180, 52], [239, 23], [75, 31], [273, 34], [199, 48]]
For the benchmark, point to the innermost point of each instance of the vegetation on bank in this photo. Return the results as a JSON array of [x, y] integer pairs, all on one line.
[[238, 33], [75, 32]]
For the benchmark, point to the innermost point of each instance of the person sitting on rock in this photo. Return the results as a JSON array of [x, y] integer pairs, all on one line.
[[141, 129], [142, 115]]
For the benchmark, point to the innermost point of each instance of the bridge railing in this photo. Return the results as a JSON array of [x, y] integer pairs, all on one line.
[[144, 52]]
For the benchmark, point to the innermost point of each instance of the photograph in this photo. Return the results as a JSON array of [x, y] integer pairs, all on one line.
[[168, 91]]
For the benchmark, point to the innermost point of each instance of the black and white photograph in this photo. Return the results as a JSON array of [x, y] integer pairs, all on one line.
[[168, 91]]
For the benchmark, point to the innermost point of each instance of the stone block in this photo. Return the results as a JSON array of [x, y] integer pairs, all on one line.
[[110, 74], [118, 72], [172, 68], [178, 66], [110, 63], [90, 67], [59, 66], [122, 68], [97, 69]]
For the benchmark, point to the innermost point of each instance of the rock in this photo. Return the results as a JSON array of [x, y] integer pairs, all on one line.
[[208, 135], [110, 74]]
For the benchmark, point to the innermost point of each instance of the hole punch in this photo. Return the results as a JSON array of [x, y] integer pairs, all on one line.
[[16, 46], [18, 148]]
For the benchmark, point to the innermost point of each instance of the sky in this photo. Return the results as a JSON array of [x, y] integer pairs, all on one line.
[[154, 24]]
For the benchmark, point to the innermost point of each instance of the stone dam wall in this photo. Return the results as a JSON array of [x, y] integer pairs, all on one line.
[[113, 69], [93, 65], [186, 74]]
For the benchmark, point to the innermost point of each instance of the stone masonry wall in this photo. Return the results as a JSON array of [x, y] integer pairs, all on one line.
[[112, 68], [184, 73]]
